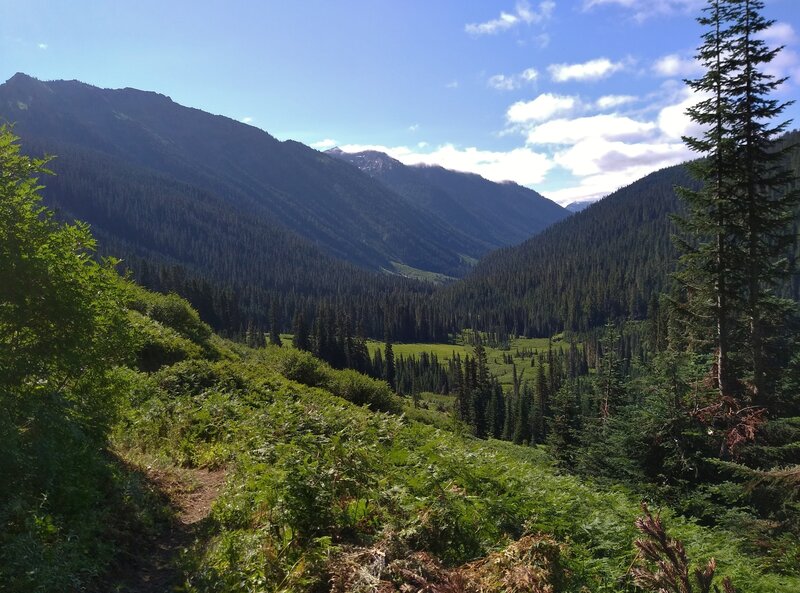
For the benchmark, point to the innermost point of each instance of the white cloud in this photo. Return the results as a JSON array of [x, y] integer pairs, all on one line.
[[596, 156], [604, 167], [521, 165], [246, 120], [453, 84], [611, 101], [413, 127], [591, 70], [780, 34], [674, 122], [523, 13], [786, 63], [604, 126], [542, 40], [502, 82], [645, 9], [674, 65], [605, 152], [541, 108], [42, 46], [324, 144]]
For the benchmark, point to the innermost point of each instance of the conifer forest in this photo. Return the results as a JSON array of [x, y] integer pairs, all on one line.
[[234, 363]]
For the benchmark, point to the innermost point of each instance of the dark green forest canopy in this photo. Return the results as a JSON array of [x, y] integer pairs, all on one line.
[[607, 263], [203, 231]]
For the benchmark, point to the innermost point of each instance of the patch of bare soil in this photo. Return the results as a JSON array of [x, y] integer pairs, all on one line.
[[154, 568]]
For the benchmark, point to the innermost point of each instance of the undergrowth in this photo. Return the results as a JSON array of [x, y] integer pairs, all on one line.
[[314, 477]]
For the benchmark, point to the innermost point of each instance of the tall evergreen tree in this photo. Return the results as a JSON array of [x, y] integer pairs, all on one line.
[[274, 327], [764, 200], [389, 366], [301, 339], [738, 222]]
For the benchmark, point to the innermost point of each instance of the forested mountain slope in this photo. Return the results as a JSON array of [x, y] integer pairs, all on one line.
[[498, 214], [321, 482], [606, 261], [177, 237], [240, 169]]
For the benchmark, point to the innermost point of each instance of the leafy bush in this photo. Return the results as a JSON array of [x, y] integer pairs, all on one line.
[[362, 390], [171, 311], [63, 329], [158, 345]]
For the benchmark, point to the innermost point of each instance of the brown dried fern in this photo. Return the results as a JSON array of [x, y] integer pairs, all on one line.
[[662, 565]]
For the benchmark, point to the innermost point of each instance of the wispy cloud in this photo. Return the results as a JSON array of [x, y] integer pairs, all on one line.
[[642, 10], [611, 101], [246, 120], [503, 82], [676, 65], [591, 70], [540, 109], [453, 84], [413, 127], [324, 144], [780, 34], [42, 46], [523, 13]]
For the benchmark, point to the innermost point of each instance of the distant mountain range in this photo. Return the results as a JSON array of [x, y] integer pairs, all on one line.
[[248, 173], [498, 214], [241, 223], [580, 205]]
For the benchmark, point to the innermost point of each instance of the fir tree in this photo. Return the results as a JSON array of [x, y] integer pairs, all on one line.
[[274, 328], [738, 222], [300, 339], [389, 366], [764, 203]]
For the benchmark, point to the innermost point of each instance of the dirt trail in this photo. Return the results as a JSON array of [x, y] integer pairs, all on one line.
[[191, 494]]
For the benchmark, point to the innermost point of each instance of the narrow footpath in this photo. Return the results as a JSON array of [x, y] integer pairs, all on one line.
[[156, 569]]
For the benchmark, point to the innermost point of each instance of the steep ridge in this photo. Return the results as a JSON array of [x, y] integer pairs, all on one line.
[[607, 262], [604, 262], [242, 169], [498, 214]]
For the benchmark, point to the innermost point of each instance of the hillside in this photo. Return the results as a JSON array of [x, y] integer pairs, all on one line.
[[608, 261], [498, 214], [241, 170], [174, 236], [142, 453]]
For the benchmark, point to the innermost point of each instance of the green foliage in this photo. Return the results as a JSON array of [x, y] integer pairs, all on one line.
[[362, 390], [158, 345], [171, 311], [63, 328], [304, 368], [312, 474], [62, 323]]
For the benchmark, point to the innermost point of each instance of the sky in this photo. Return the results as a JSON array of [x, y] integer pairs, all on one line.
[[573, 98]]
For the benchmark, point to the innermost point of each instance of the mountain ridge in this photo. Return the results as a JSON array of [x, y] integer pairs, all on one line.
[[350, 215], [500, 214]]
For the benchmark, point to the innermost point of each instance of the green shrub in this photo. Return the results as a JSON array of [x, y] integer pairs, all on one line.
[[362, 390]]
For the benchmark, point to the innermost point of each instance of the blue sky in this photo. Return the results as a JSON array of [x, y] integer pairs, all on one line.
[[574, 98]]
